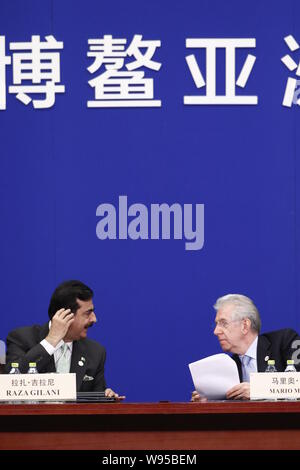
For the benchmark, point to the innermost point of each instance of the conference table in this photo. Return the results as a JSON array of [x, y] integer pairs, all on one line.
[[164, 425]]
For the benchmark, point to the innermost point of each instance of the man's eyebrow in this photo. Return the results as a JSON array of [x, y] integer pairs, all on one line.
[[90, 310]]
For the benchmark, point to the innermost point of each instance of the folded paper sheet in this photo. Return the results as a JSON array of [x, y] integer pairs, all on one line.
[[213, 376]]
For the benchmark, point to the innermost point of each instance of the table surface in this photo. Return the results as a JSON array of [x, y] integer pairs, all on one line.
[[163, 425], [123, 408]]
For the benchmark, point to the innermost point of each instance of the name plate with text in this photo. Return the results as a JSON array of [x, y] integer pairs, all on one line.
[[275, 385], [37, 387]]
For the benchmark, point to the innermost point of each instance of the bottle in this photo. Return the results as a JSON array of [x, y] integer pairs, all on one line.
[[290, 366], [14, 368], [271, 366], [32, 368]]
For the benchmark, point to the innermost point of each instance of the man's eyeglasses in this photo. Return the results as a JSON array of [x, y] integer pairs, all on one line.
[[224, 324]]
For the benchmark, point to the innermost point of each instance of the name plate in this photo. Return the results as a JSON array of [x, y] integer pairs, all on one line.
[[274, 386], [37, 387]]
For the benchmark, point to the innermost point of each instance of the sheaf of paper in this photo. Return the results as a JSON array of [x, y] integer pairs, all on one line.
[[213, 376], [2, 352]]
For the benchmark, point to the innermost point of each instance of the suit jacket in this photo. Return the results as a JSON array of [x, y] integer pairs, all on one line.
[[275, 345], [23, 346]]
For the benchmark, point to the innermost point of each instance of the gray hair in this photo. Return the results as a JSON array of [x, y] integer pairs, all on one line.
[[243, 308]]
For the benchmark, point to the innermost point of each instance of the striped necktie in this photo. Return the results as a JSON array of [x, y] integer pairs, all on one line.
[[247, 368], [63, 363]]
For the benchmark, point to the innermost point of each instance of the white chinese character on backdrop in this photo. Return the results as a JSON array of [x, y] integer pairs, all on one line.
[[41, 69], [127, 87], [290, 96], [211, 45], [4, 61]]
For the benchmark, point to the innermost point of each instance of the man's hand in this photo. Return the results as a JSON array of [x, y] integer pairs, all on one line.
[[197, 398], [239, 392], [111, 394], [60, 324]]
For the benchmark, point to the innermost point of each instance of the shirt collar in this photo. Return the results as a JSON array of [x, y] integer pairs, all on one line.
[[252, 350]]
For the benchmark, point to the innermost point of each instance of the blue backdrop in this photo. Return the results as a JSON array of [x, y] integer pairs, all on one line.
[[153, 298]]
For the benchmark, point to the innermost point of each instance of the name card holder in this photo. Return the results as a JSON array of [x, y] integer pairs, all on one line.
[[275, 386], [37, 387]]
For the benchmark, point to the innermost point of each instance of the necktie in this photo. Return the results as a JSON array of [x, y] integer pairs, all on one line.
[[63, 363], [247, 367]]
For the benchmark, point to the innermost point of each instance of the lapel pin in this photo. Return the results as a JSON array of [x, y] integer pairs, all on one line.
[[80, 363], [266, 358]]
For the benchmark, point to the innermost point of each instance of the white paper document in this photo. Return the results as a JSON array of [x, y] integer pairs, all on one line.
[[213, 376], [2, 352]]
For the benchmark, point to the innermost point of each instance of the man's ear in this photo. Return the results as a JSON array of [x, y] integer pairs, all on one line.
[[246, 325]]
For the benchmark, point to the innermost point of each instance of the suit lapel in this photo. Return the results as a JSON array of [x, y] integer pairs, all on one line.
[[78, 362], [236, 358], [263, 351]]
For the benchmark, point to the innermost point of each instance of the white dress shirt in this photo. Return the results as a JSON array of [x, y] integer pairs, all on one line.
[[250, 365], [57, 350]]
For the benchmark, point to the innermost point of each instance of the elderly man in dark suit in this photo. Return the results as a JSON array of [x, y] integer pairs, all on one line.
[[61, 345], [237, 326]]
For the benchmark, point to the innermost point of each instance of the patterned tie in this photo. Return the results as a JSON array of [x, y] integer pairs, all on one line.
[[63, 363], [246, 368]]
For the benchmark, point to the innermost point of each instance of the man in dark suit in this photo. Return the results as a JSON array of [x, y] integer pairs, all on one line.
[[61, 345], [237, 326]]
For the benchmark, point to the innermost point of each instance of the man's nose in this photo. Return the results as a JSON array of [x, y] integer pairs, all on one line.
[[93, 317], [217, 330]]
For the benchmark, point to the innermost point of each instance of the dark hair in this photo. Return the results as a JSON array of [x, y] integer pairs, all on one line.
[[66, 295]]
